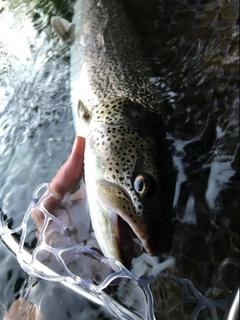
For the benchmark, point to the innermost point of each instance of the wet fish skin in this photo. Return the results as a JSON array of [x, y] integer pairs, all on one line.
[[106, 56], [127, 165]]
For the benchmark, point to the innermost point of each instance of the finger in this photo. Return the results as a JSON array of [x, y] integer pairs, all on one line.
[[22, 310], [70, 173]]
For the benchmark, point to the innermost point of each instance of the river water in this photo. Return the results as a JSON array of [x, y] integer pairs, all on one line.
[[193, 46]]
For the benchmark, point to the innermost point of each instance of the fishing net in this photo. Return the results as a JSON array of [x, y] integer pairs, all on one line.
[[65, 251]]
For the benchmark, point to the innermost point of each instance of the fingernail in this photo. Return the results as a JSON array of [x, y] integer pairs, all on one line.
[[74, 144], [78, 140]]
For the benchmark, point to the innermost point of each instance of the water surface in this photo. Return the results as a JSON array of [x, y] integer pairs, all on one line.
[[193, 46]]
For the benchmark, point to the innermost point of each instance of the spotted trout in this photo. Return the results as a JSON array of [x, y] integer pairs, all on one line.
[[127, 165]]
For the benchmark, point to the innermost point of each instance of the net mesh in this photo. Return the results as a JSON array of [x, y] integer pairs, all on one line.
[[65, 250]]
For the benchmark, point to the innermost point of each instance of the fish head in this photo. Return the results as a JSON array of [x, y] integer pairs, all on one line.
[[127, 178]]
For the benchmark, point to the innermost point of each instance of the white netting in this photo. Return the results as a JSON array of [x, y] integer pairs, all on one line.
[[65, 250]]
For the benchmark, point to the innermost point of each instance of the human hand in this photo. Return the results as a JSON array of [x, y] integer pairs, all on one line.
[[22, 310], [65, 180]]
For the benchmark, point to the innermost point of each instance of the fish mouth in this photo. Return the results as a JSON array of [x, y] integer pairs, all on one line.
[[127, 237]]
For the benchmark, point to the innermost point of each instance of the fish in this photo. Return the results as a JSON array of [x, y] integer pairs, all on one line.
[[127, 165]]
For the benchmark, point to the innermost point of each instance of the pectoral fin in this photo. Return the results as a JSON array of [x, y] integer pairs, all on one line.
[[64, 29], [83, 112]]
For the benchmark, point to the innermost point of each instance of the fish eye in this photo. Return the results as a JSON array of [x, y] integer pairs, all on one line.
[[141, 184]]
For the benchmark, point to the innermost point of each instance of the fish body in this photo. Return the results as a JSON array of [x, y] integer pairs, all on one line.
[[127, 165]]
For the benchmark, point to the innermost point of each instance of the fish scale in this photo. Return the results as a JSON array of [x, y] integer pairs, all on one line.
[[108, 45]]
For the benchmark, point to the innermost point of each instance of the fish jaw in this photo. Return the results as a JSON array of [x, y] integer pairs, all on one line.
[[105, 228], [108, 229]]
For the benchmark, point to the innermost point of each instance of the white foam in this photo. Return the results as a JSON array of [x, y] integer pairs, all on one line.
[[150, 266], [219, 176], [190, 214]]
